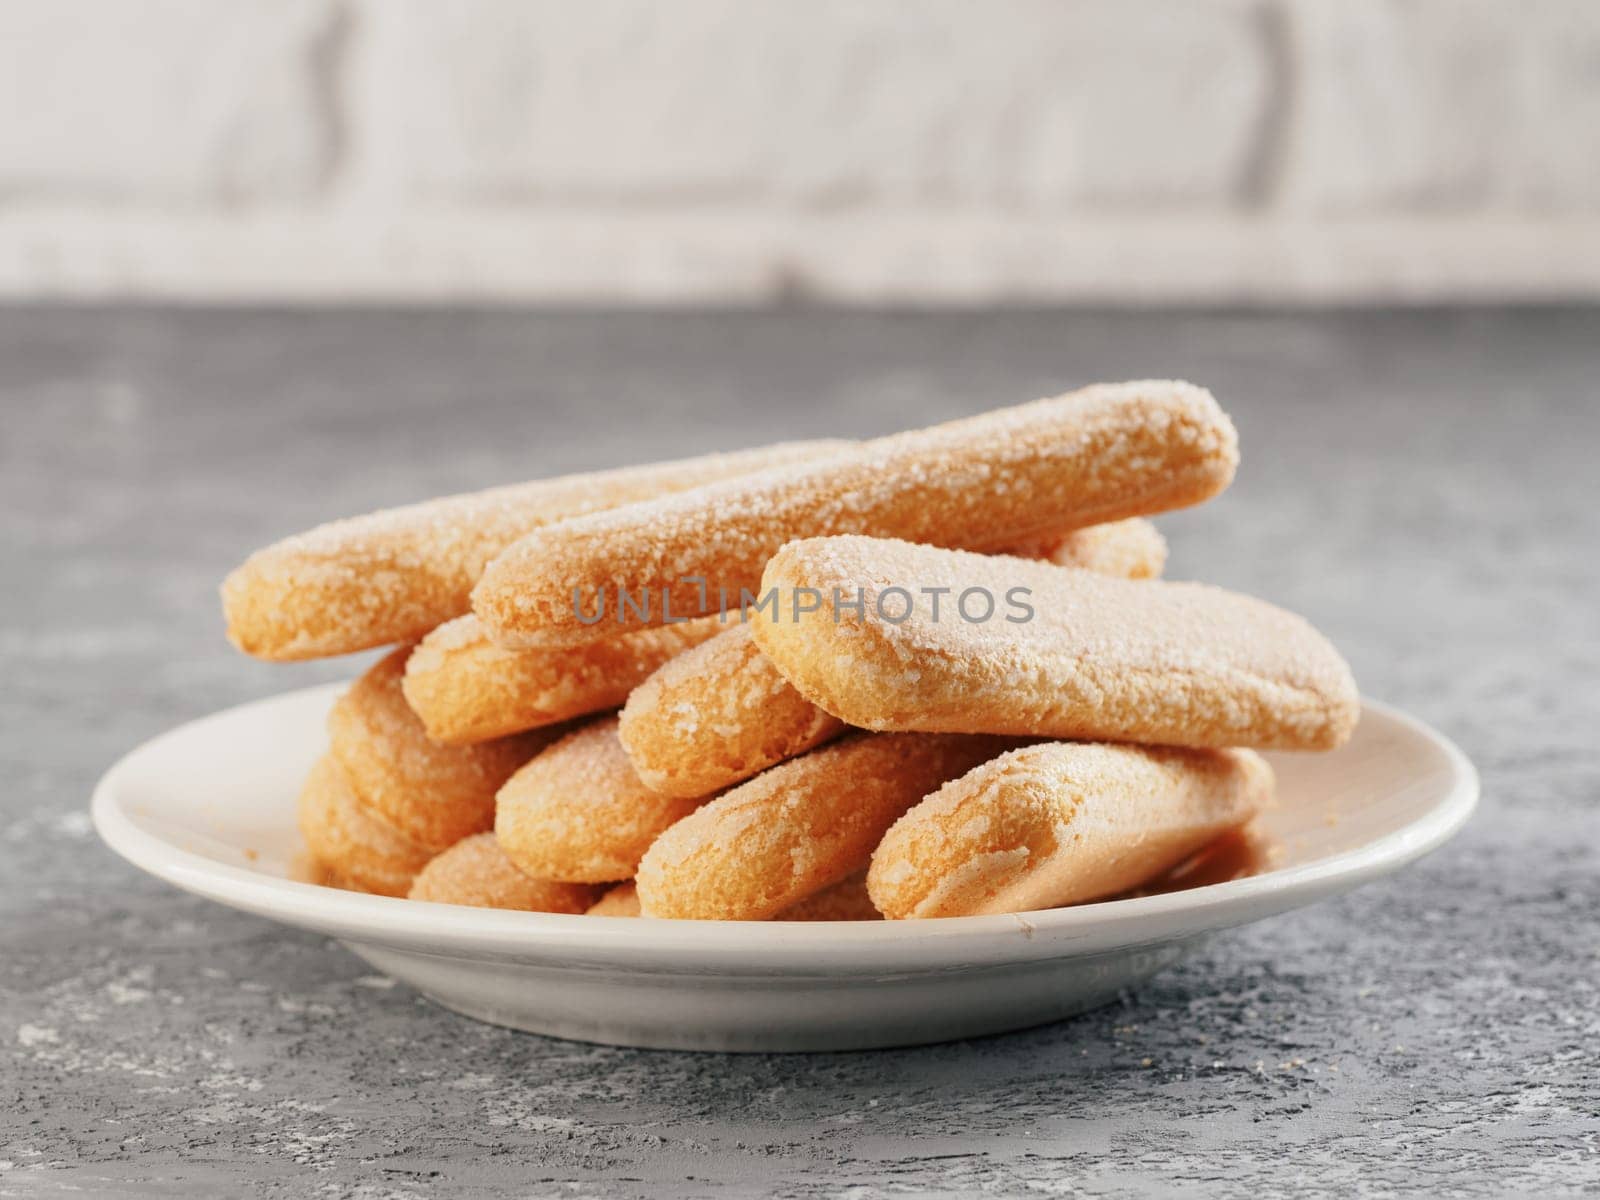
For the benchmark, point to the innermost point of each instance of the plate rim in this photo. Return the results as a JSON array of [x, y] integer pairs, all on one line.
[[792, 947]]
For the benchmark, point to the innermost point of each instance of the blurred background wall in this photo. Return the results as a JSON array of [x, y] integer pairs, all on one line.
[[739, 151]]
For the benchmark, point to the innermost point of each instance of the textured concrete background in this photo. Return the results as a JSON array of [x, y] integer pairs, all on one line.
[[1421, 485], [716, 150]]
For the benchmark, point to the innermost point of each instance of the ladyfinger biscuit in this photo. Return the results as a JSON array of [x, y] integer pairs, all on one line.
[[1058, 652], [1060, 823], [722, 712], [716, 715], [622, 900], [580, 813], [476, 872], [468, 689], [431, 794], [1096, 455], [351, 845], [391, 576], [1131, 549], [306, 867], [796, 829], [846, 900], [1238, 854]]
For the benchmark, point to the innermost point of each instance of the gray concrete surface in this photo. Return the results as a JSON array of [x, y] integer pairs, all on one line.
[[1420, 484]]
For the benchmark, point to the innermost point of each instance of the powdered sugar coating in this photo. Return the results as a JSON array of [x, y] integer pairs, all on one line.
[[1131, 549], [579, 812], [465, 688], [390, 576], [476, 872], [716, 715], [353, 846], [723, 712], [1061, 823], [1181, 664], [432, 794], [798, 828], [1100, 454]]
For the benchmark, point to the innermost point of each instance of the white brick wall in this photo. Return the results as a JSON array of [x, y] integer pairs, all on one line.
[[176, 102], [1447, 106], [746, 150]]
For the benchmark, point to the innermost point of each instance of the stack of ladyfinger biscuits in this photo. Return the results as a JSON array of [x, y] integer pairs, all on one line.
[[934, 674]]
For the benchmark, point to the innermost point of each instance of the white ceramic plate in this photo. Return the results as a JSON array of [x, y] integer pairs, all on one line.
[[210, 807]]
